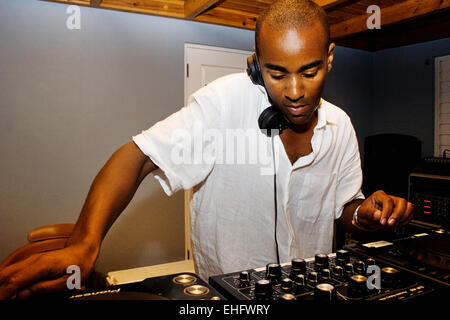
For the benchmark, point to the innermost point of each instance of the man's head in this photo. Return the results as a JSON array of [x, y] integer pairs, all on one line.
[[292, 44]]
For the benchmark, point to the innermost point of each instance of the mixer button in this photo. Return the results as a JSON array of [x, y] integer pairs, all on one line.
[[324, 292], [287, 296], [196, 290], [184, 279]]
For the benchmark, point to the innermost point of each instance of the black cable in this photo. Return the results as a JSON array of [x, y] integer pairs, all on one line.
[[275, 200]]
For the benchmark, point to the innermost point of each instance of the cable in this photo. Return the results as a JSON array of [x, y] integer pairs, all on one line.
[[275, 201]]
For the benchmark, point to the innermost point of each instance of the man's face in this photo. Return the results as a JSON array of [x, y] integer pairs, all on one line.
[[294, 64]]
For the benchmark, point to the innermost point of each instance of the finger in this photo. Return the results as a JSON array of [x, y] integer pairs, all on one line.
[[21, 275], [44, 287], [398, 211], [408, 214], [388, 205]]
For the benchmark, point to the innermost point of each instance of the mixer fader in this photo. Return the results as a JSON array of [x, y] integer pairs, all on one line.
[[333, 277]]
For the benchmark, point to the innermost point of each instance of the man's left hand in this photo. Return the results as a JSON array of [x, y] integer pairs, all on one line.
[[380, 211]]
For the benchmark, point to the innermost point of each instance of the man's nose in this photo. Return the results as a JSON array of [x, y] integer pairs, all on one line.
[[294, 89]]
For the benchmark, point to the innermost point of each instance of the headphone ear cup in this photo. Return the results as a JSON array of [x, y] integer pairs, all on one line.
[[254, 70], [272, 118]]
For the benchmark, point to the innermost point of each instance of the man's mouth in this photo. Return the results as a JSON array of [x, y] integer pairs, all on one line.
[[296, 110]]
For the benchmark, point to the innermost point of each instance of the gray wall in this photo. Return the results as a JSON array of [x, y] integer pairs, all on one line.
[[403, 92], [70, 98]]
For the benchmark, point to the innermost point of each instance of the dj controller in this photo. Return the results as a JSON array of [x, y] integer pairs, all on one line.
[[375, 271]]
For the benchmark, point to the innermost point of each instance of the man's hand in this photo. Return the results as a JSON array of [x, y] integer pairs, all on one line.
[[45, 273], [381, 211]]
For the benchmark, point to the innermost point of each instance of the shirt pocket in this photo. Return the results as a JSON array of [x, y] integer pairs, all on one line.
[[314, 198]]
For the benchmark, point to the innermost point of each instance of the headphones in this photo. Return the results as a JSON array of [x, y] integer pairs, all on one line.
[[272, 117]]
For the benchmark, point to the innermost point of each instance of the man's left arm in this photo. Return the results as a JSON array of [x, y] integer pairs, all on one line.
[[379, 211]]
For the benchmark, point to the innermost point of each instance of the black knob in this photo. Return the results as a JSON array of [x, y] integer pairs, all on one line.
[[338, 272], [286, 284], [389, 277], [273, 272], [312, 278], [370, 262], [324, 292], [320, 261], [299, 284], [244, 279], [342, 257], [298, 266], [348, 267], [360, 267], [263, 289], [325, 275], [287, 296], [357, 285]]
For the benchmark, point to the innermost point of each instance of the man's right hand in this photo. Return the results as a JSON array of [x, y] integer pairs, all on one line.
[[45, 272]]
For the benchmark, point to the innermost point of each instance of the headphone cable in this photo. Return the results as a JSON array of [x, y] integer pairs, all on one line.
[[275, 201]]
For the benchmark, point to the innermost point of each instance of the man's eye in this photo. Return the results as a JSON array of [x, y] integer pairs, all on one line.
[[310, 75], [277, 76]]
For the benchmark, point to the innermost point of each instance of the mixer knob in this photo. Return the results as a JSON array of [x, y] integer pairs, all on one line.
[[324, 292], [360, 267], [342, 257], [389, 277], [312, 278], [348, 267], [320, 261], [286, 284], [298, 266], [273, 272], [357, 285], [325, 275], [244, 279], [299, 284], [263, 289], [338, 272], [370, 262]]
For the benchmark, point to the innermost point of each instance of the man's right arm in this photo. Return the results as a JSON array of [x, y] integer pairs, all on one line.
[[111, 191]]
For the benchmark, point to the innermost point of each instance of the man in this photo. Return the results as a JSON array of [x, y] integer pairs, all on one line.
[[318, 173]]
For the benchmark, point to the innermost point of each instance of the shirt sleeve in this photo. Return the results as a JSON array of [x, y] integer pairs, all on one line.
[[350, 174], [179, 145]]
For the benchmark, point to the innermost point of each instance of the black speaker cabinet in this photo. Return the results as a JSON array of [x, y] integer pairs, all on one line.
[[388, 161]]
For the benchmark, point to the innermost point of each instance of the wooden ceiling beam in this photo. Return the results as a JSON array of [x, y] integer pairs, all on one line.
[[193, 8], [95, 3], [404, 11], [328, 4]]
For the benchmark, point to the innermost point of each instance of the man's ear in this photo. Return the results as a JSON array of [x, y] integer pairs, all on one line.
[[330, 57]]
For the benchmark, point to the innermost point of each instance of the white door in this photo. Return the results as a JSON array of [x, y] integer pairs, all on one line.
[[204, 64]]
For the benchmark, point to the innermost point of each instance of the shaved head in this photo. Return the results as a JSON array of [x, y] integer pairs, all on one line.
[[292, 14]]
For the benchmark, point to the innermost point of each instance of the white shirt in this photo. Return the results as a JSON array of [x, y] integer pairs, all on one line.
[[232, 211]]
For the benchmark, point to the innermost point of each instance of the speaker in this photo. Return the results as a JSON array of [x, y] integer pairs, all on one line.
[[388, 161]]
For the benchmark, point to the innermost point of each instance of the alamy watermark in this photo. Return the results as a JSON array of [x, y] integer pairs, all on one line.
[[198, 145], [73, 22]]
